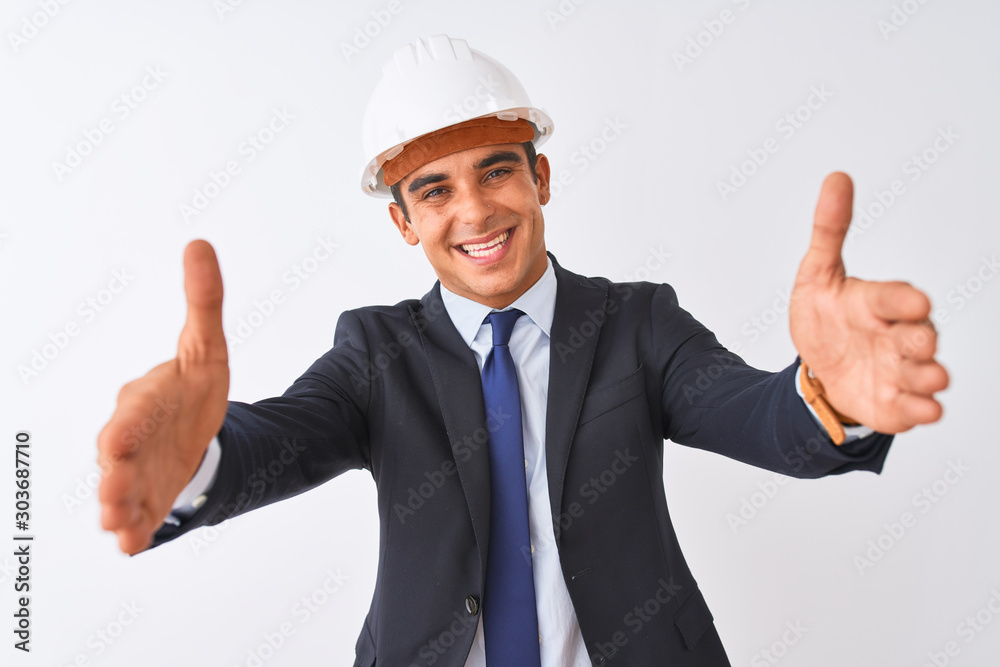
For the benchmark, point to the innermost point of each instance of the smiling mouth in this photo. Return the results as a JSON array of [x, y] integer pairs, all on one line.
[[487, 249]]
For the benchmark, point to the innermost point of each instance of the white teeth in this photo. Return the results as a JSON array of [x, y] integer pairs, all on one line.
[[486, 249]]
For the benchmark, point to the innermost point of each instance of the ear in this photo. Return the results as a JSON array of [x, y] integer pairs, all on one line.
[[542, 172], [404, 227]]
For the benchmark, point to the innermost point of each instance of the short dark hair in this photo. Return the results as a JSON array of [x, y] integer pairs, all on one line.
[[529, 151]]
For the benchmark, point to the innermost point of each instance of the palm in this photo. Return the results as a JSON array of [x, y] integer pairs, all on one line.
[[869, 343], [155, 440]]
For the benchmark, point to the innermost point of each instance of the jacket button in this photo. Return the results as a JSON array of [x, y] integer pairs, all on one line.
[[472, 605]]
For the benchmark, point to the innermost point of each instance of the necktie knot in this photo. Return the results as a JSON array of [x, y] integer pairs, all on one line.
[[503, 324]]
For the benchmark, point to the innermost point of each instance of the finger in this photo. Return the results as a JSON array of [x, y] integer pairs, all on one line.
[[118, 492], [119, 482], [128, 427], [916, 341], [203, 338], [823, 260], [131, 526], [119, 448], [915, 409], [136, 538], [896, 301], [114, 446], [922, 378], [119, 517]]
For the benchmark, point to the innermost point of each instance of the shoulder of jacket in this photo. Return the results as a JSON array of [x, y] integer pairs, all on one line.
[[600, 282], [399, 312]]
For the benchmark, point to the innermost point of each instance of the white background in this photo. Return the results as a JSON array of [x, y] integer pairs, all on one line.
[[653, 188]]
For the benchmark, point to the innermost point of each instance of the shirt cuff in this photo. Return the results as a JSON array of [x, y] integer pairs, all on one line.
[[195, 493], [851, 433]]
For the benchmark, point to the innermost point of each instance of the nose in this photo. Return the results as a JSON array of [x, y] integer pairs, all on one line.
[[473, 208]]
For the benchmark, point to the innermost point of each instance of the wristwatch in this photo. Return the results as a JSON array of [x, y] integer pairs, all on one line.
[[833, 421]]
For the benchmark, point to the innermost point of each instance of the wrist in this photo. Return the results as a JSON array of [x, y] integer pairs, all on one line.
[[815, 395]]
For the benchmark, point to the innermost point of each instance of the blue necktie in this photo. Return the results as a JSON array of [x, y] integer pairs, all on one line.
[[510, 619]]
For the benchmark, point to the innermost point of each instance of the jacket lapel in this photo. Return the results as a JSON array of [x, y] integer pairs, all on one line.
[[458, 384], [572, 345]]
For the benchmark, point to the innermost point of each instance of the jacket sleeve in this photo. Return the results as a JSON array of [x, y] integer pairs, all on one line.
[[280, 447], [713, 400]]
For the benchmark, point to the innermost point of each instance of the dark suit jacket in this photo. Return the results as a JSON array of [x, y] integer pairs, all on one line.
[[400, 395]]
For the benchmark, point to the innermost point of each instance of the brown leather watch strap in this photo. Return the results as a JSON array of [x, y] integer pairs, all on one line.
[[833, 421]]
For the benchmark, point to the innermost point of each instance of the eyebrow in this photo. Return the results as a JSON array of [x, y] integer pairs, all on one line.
[[425, 180], [498, 157], [488, 161]]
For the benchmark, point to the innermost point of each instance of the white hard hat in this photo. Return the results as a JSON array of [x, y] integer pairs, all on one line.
[[432, 84]]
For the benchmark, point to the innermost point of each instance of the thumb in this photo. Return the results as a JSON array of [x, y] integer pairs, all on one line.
[[823, 260], [202, 337]]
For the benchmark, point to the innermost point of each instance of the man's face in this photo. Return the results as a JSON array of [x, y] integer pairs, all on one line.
[[478, 214]]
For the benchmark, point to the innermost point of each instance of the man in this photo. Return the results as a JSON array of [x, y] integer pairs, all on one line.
[[510, 359]]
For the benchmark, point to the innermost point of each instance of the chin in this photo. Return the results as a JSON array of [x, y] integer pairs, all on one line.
[[493, 287]]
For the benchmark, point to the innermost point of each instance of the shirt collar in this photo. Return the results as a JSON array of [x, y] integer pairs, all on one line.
[[538, 303]]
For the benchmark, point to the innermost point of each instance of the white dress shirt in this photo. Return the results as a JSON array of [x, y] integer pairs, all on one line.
[[561, 643]]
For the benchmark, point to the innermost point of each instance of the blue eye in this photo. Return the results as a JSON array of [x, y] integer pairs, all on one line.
[[497, 172]]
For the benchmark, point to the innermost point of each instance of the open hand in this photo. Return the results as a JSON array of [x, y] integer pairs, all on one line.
[[869, 343], [164, 421]]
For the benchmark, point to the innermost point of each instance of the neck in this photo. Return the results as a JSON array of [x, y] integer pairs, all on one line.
[[501, 301]]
